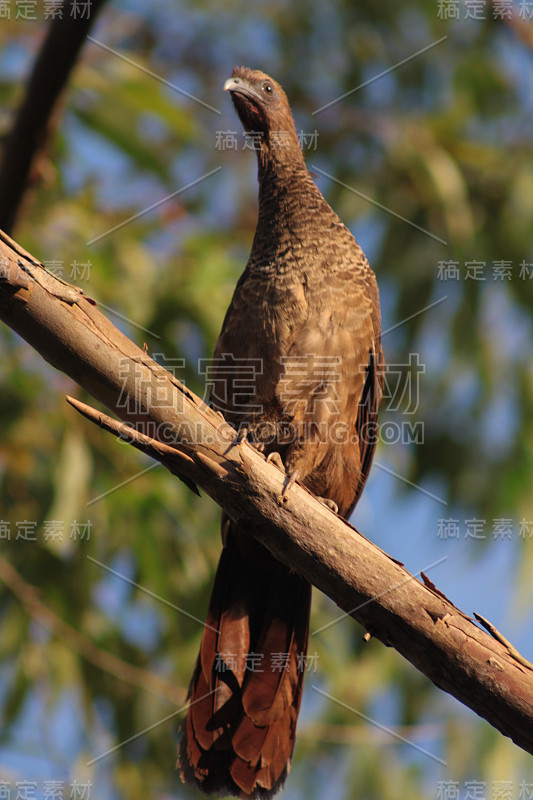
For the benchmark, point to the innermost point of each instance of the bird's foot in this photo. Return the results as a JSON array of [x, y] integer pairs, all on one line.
[[290, 481], [242, 436], [330, 504], [275, 458]]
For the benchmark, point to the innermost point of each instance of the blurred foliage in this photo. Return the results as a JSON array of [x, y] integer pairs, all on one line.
[[444, 141]]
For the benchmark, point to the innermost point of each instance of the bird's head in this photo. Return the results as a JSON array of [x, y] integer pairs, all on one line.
[[265, 113]]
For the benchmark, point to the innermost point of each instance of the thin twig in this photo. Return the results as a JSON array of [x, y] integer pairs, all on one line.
[[37, 610]]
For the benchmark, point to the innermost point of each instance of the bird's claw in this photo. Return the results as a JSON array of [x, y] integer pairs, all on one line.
[[289, 481], [275, 458], [242, 436], [331, 504]]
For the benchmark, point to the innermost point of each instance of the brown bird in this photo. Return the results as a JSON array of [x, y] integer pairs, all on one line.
[[297, 367]]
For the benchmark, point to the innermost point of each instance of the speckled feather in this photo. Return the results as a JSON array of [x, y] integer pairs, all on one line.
[[298, 363]]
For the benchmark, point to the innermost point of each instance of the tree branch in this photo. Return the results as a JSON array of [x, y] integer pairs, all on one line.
[[163, 418], [38, 113]]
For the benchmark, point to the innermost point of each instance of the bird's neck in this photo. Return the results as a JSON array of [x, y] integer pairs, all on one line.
[[279, 156], [289, 204]]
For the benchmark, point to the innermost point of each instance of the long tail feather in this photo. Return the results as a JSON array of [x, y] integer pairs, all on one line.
[[245, 692]]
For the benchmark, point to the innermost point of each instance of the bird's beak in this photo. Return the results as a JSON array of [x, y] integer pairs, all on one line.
[[231, 84], [239, 86]]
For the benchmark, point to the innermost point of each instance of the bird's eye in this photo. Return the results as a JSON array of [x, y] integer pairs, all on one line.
[[267, 87]]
